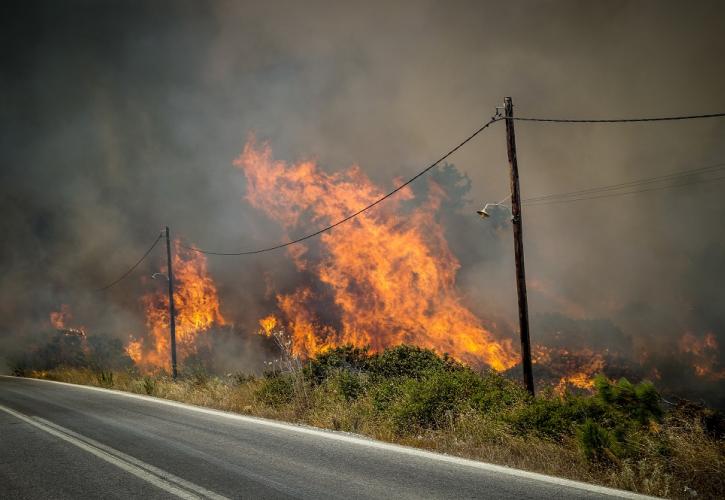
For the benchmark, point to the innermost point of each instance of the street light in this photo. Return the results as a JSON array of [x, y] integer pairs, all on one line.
[[484, 211]]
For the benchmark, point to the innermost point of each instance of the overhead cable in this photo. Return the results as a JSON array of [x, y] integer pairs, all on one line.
[[631, 184], [364, 209], [621, 193], [130, 270], [612, 120]]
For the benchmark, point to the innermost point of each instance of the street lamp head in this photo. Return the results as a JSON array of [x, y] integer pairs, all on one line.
[[156, 276], [483, 213]]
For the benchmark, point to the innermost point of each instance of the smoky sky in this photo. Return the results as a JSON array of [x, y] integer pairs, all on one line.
[[121, 117]]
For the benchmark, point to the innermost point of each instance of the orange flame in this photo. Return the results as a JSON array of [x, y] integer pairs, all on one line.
[[134, 350], [60, 320], [267, 325], [197, 310], [574, 369], [391, 280], [704, 355]]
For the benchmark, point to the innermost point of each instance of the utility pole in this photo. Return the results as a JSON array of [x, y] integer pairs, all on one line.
[[519, 248], [172, 310]]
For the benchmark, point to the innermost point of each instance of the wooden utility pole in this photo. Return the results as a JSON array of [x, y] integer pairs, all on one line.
[[519, 248], [172, 310]]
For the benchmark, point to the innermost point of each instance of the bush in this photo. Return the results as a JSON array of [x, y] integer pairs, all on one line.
[[546, 417], [493, 393], [350, 385], [555, 417], [595, 441], [106, 353], [276, 390], [348, 358], [439, 398], [411, 362], [640, 402]]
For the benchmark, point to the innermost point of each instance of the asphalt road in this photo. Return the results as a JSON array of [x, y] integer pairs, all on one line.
[[64, 441]]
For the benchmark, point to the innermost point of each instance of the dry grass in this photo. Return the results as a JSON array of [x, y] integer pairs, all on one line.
[[693, 462]]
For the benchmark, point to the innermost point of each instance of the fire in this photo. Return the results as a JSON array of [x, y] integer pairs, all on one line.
[[704, 355], [267, 325], [197, 310], [61, 320], [387, 279], [134, 350], [574, 369]]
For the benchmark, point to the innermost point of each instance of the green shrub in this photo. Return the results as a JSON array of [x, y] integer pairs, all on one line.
[[347, 357], [555, 417], [276, 390], [384, 393], [491, 393], [545, 417], [410, 361], [350, 385], [596, 442], [434, 400], [639, 402]]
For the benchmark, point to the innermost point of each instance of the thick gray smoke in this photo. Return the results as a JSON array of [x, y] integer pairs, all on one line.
[[121, 117]]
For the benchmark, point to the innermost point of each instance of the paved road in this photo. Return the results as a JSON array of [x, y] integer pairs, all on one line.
[[63, 441]]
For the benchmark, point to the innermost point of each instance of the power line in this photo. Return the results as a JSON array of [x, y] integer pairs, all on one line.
[[368, 207], [495, 118], [630, 184], [130, 270], [610, 195], [614, 120]]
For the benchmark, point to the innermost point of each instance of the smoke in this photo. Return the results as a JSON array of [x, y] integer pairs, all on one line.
[[118, 119]]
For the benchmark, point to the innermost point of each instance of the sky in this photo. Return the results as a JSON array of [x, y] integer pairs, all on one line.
[[119, 118]]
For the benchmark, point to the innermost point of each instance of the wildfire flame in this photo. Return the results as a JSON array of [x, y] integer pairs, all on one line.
[[389, 280], [197, 310], [60, 320], [134, 350], [704, 355], [574, 369]]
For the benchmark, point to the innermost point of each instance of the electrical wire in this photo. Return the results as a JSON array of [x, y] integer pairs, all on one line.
[[130, 270], [364, 209], [631, 184], [613, 120], [610, 195], [495, 118]]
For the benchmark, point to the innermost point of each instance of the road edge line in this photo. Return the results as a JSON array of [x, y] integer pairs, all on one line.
[[141, 472]]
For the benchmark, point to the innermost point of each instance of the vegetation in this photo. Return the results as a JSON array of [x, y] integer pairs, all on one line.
[[620, 436]]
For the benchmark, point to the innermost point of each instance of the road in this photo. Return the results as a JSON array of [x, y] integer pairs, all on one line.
[[64, 441]]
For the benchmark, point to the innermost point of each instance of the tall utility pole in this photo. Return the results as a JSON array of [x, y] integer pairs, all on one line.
[[172, 310], [519, 248]]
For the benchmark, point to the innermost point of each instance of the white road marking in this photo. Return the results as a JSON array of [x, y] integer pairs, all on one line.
[[149, 473], [362, 441]]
